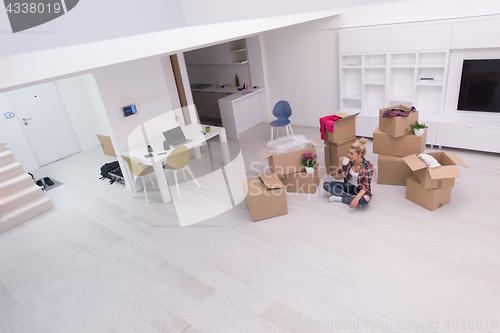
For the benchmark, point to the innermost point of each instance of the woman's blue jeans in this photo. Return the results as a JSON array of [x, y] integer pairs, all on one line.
[[345, 190]]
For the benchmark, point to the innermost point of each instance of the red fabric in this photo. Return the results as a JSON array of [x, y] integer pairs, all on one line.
[[327, 122]]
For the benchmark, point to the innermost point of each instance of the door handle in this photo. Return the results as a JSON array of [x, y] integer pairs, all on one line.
[[25, 119]]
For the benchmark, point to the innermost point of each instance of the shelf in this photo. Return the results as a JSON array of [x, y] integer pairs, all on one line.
[[374, 82], [233, 63], [429, 83], [374, 60], [351, 67], [374, 66], [401, 99], [436, 65], [351, 97], [403, 59], [431, 58], [350, 60], [239, 50], [403, 66]]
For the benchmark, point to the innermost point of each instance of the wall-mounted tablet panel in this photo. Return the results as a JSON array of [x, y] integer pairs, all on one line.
[[129, 110]]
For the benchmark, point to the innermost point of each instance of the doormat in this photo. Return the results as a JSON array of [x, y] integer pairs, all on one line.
[[47, 187]]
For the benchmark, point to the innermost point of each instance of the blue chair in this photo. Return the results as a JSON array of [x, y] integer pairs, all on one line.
[[282, 111]]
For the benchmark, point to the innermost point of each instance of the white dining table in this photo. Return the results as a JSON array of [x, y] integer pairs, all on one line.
[[194, 132]]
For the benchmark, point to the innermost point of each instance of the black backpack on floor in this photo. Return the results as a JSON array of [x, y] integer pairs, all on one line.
[[110, 171]]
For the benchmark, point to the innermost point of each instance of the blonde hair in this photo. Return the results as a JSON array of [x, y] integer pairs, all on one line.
[[359, 147]]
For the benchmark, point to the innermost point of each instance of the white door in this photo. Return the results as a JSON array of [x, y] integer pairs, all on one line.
[[45, 122]]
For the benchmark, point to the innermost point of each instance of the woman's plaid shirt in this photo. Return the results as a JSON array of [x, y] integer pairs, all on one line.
[[365, 175]]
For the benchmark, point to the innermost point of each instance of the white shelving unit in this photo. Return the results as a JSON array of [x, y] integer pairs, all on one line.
[[231, 53], [238, 51], [370, 81], [350, 76]]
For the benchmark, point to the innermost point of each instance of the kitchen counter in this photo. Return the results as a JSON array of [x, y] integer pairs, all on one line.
[[239, 110], [236, 94]]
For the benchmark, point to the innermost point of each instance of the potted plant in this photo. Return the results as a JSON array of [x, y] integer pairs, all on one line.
[[309, 161], [418, 129]]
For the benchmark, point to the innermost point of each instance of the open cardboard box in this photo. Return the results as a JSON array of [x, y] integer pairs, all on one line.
[[440, 177], [343, 129], [428, 198], [397, 126], [286, 163], [301, 182], [107, 146], [265, 196], [392, 170], [384, 144]]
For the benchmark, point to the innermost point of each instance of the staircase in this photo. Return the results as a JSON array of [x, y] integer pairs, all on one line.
[[20, 198]]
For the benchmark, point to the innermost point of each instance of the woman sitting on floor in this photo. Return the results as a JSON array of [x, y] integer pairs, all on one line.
[[356, 187]]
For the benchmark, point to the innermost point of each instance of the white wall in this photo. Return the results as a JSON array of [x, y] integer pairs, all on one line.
[[140, 82], [301, 67], [97, 104], [80, 110], [12, 132], [206, 12], [92, 20], [413, 11]]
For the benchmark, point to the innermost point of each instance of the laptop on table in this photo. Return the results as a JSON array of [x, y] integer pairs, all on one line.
[[175, 137]]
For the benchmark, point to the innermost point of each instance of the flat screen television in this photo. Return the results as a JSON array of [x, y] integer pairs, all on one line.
[[480, 86]]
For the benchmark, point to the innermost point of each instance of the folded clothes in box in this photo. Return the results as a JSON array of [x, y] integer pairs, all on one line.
[[439, 177], [397, 126]]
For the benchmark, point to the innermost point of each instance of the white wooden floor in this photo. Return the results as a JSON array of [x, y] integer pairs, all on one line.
[[102, 261]]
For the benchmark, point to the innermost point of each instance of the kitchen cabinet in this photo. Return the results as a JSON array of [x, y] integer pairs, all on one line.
[[241, 111], [207, 105], [231, 53]]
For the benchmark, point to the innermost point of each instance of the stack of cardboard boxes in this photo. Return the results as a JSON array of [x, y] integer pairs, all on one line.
[[431, 187], [265, 196], [399, 164], [392, 141], [338, 142]]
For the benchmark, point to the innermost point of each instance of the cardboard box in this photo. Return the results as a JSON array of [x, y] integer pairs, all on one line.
[[397, 126], [343, 128], [431, 199], [333, 152], [265, 197], [286, 163], [440, 177], [107, 146], [392, 170], [301, 182], [384, 144]]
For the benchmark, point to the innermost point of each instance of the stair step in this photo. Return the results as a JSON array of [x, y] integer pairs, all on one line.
[[15, 184], [11, 170], [25, 213], [18, 199], [6, 157], [2, 146]]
